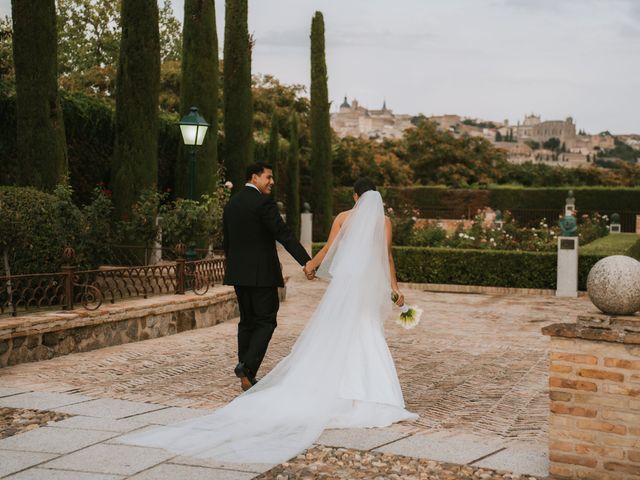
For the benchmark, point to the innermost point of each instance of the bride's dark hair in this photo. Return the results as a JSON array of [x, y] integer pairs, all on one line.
[[362, 185]]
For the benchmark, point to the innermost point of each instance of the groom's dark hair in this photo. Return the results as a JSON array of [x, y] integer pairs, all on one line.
[[362, 185], [256, 168]]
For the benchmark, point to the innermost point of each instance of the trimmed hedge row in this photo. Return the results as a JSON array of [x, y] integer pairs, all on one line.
[[602, 199], [417, 197], [494, 268]]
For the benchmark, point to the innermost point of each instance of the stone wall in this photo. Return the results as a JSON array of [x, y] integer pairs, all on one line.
[[594, 388], [46, 335]]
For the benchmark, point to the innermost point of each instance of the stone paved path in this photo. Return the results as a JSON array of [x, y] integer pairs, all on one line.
[[475, 366]]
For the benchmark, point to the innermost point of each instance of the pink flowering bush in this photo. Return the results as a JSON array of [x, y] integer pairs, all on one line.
[[511, 236]]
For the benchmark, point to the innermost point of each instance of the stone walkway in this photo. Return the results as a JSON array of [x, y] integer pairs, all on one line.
[[474, 370]]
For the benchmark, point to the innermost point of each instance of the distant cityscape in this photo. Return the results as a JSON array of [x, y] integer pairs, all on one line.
[[552, 142]]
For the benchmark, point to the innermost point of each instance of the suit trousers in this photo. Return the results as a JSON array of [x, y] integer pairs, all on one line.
[[258, 312]]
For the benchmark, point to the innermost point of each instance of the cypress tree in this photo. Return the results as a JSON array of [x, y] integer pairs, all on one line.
[[293, 179], [199, 88], [273, 150], [41, 143], [321, 173], [238, 103], [135, 156]]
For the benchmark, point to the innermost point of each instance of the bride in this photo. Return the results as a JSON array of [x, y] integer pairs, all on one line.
[[339, 373]]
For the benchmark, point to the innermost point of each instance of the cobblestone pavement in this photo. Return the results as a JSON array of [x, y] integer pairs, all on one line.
[[476, 363], [326, 463], [19, 420]]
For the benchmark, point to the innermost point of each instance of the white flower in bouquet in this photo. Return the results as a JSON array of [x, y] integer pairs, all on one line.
[[228, 185], [410, 315]]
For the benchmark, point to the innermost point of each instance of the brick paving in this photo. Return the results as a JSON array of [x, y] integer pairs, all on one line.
[[476, 362]]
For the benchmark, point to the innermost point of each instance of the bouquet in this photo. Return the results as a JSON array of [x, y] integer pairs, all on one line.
[[409, 315]]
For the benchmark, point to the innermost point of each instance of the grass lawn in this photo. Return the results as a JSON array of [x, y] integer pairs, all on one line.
[[613, 244]]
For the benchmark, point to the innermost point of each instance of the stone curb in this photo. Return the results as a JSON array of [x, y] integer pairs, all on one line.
[[447, 288]]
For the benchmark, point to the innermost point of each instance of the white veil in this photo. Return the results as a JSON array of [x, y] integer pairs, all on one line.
[[339, 372]]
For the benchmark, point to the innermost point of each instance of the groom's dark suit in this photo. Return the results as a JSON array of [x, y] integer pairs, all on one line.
[[252, 224]]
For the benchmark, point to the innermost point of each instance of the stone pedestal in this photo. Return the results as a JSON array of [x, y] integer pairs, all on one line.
[[594, 390], [615, 228], [567, 275], [306, 224], [569, 209]]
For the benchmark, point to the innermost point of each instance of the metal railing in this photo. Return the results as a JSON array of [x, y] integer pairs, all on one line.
[[131, 255], [91, 288]]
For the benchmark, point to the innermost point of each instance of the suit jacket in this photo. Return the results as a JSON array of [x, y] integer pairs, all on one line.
[[252, 224]]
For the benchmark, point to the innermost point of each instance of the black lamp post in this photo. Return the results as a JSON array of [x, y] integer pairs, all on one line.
[[193, 128]]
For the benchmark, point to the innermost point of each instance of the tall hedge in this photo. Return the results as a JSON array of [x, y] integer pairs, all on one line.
[[199, 88], [238, 103], [434, 201], [135, 161], [89, 126], [293, 179], [587, 198], [42, 150], [321, 168]]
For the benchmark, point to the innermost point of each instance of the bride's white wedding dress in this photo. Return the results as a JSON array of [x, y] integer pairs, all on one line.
[[339, 373]]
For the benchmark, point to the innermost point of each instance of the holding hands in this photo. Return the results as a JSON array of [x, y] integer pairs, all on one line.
[[309, 270]]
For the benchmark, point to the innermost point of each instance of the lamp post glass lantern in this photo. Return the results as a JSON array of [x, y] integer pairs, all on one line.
[[193, 128]]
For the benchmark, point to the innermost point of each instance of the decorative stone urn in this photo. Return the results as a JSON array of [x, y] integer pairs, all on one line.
[[613, 285]]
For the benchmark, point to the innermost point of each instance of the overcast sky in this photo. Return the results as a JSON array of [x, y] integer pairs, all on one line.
[[492, 59]]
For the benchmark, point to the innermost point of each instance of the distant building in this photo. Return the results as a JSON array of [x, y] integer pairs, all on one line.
[[538, 131], [587, 144], [446, 122], [516, 152], [353, 120]]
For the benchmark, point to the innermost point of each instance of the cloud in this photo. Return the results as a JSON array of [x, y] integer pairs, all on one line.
[[341, 38]]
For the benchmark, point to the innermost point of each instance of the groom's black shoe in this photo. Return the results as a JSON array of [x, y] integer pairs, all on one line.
[[247, 380]]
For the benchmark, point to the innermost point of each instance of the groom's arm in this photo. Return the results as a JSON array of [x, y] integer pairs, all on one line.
[[271, 218]]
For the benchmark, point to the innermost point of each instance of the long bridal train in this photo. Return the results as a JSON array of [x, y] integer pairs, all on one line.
[[339, 374]]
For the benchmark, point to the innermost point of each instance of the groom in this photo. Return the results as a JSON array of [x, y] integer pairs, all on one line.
[[252, 224]]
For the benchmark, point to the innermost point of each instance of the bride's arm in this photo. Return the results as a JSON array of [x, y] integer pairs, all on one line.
[[392, 265], [315, 262]]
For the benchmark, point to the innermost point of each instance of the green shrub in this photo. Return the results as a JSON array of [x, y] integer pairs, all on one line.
[[35, 227], [194, 221], [430, 235]]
